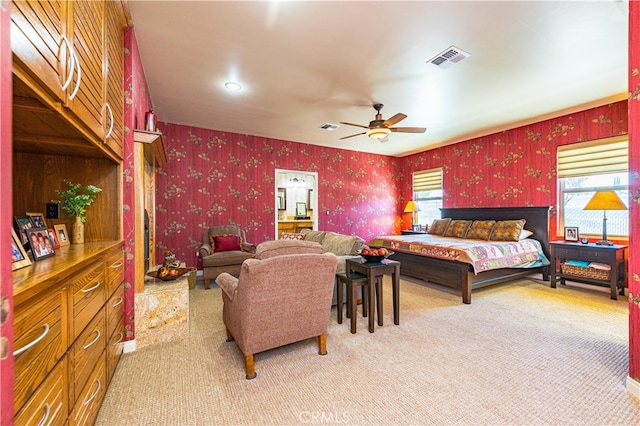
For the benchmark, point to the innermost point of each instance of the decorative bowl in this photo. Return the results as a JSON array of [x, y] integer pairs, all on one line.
[[374, 259], [181, 272]]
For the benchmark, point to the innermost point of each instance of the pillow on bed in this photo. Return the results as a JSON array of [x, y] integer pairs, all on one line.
[[525, 234], [439, 226], [507, 230], [481, 229], [458, 228]]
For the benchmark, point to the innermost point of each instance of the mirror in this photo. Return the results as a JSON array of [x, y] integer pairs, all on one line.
[[282, 198]]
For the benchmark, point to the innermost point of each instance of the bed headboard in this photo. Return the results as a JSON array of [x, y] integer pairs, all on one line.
[[537, 218]]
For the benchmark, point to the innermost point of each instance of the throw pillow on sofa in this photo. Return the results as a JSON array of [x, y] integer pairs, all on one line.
[[340, 245]]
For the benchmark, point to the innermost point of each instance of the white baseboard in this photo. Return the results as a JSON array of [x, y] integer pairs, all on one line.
[[129, 346], [633, 387]]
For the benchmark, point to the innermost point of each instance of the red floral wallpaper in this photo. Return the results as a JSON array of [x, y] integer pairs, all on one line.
[[515, 167], [634, 189], [215, 178], [137, 102]]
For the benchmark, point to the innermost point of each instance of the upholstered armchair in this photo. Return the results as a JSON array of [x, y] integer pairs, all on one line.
[[223, 249], [282, 296]]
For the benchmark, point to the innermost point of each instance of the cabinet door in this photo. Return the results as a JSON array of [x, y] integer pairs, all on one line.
[[40, 51], [114, 78], [86, 96]]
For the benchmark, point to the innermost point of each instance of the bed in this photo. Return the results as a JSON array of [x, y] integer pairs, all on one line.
[[463, 276]]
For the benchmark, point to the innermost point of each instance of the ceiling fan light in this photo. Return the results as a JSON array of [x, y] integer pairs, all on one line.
[[378, 134]]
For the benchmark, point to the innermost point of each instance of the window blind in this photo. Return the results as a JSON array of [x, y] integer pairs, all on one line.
[[427, 180], [593, 157]]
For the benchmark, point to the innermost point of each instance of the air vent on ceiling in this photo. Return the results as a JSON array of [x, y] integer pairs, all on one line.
[[449, 57], [329, 127]]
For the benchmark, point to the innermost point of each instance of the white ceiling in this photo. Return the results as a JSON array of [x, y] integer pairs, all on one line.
[[304, 63]]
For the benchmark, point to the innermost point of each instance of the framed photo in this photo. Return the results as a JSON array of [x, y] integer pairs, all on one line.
[[40, 243], [571, 233], [22, 224], [417, 228], [19, 258], [61, 233], [54, 238], [37, 219]]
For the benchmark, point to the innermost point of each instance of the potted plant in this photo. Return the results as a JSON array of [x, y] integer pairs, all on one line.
[[75, 201]]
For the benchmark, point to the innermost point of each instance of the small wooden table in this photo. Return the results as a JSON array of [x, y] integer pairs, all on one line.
[[375, 271]]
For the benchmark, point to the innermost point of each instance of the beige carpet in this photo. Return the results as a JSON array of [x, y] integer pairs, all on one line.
[[520, 354]]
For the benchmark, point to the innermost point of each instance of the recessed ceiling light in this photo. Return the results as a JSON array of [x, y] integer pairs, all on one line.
[[232, 85]]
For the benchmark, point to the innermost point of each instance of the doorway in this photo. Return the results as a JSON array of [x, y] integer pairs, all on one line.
[[295, 201]]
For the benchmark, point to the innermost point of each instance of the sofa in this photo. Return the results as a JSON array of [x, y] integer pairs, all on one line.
[[343, 246]]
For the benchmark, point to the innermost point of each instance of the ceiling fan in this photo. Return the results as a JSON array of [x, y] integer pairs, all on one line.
[[379, 129]]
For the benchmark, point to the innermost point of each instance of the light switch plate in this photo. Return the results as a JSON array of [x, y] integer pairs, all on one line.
[[53, 211]]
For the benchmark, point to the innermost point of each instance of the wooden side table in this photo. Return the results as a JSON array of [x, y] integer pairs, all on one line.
[[614, 256], [375, 271]]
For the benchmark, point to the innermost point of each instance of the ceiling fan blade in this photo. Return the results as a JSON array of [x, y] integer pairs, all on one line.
[[357, 134], [408, 129], [393, 120], [356, 125]]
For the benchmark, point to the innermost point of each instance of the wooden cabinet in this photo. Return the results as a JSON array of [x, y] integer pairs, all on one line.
[[68, 60], [68, 56], [62, 317]]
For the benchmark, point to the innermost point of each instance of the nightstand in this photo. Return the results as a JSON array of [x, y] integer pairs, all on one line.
[[614, 256], [410, 232]]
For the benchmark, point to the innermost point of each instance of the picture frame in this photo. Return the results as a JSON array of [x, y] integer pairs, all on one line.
[[417, 228], [53, 236], [62, 234], [19, 258], [571, 233], [22, 224], [37, 219], [41, 246]]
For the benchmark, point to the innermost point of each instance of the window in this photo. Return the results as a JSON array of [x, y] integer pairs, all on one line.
[[427, 193], [588, 167]]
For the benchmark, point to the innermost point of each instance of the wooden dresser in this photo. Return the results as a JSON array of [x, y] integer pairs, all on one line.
[[68, 119], [68, 333]]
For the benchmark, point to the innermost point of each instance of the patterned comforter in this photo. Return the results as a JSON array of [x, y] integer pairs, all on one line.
[[481, 255]]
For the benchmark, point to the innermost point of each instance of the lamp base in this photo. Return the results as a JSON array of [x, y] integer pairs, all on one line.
[[604, 243]]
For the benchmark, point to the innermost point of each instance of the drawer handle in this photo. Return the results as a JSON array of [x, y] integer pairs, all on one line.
[[88, 345], [119, 339], [87, 290], [47, 411], [35, 342], [94, 394], [118, 303], [117, 265]]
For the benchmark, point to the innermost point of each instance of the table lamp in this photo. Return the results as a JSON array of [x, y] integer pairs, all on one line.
[[412, 208], [605, 200]]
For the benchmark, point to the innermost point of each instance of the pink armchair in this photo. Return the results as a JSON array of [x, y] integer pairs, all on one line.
[[282, 296]]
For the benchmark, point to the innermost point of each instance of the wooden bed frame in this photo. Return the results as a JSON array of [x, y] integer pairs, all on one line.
[[460, 276]]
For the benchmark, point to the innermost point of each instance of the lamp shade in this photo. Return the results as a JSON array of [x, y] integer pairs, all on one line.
[[378, 134], [605, 200], [411, 207]]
